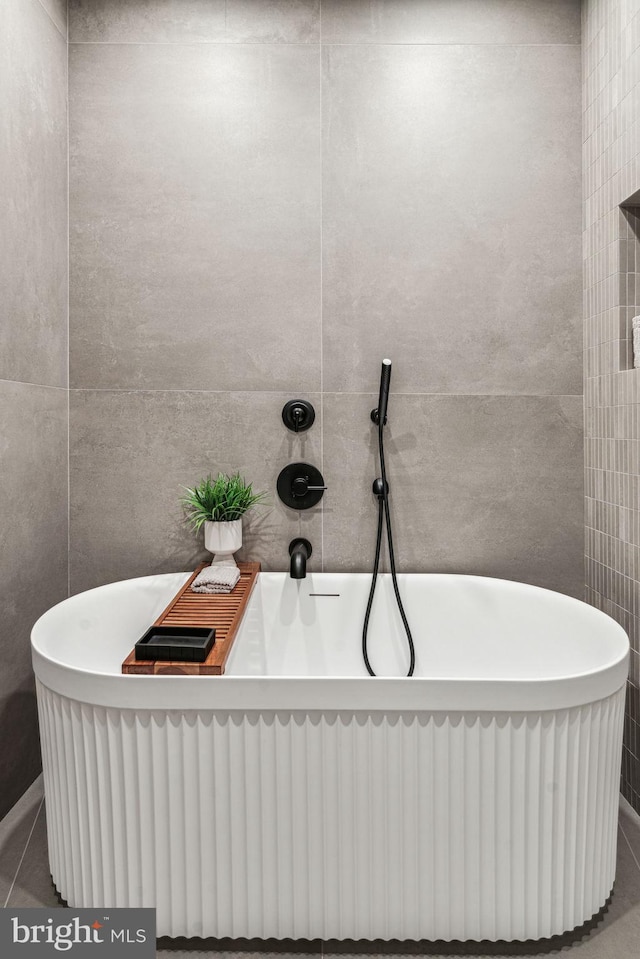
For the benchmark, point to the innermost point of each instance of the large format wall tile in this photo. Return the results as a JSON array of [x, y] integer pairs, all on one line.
[[195, 216], [488, 485], [33, 196], [158, 21], [130, 455], [173, 21], [451, 217], [33, 561], [451, 21], [450, 224], [296, 21]]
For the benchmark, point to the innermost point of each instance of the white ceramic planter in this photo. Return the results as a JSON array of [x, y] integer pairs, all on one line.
[[223, 539]]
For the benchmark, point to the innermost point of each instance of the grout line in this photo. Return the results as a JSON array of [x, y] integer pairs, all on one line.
[[193, 43], [310, 44], [444, 43], [320, 90], [68, 337], [44, 386], [285, 391], [635, 859], [24, 852], [62, 33], [321, 391]]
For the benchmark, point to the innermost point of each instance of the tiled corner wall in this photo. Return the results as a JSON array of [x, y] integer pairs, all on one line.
[[266, 200], [611, 162], [33, 360]]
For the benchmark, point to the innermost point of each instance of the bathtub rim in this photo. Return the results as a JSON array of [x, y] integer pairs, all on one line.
[[347, 693], [309, 694]]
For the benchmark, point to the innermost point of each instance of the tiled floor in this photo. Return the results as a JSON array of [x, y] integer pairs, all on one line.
[[615, 934]]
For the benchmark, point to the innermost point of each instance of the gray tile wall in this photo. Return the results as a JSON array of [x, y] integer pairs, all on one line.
[[611, 159], [266, 199], [33, 360]]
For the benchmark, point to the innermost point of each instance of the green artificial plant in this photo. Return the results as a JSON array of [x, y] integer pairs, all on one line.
[[219, 500]]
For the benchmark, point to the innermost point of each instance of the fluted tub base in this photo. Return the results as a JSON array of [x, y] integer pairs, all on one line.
[[345, 825]]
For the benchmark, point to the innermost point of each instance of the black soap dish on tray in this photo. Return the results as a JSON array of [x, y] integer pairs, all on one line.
[[190, 644]]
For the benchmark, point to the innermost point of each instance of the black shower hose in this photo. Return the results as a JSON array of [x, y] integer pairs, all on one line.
[[383, 509]]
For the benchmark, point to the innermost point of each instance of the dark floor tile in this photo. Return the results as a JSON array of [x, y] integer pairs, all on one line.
[[14, 833], [33, 885], [236, 948], [630, 825]]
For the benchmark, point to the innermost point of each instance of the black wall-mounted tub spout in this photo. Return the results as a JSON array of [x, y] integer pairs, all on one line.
[[299, 550]]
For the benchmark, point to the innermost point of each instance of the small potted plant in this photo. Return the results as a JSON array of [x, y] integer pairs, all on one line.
[[219, 505]]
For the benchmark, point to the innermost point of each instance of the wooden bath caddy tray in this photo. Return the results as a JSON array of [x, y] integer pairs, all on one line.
[[224, 611]]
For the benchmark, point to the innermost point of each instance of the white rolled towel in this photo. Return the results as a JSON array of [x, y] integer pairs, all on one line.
[[216, 579], [635, 325]]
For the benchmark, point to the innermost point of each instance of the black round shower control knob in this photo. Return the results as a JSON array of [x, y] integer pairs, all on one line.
[[298, 415], [300, 485]]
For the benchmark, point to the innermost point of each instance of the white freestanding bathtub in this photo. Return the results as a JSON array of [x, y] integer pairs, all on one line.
[[297, 797]]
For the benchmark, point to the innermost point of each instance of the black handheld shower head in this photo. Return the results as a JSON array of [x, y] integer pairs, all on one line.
[[379, 415], [381, 492]]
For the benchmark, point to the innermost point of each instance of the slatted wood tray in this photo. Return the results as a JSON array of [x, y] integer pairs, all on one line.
[[224, 611]]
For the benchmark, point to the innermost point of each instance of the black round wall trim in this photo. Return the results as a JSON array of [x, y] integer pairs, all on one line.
[[298, 415], [300, 486]]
